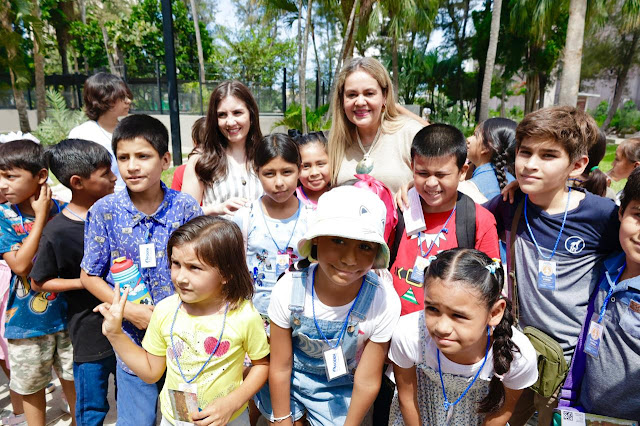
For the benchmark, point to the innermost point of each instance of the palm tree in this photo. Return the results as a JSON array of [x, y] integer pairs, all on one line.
[[196, 24], [491, 58], [570, 80], [38, 62], [10, 40]]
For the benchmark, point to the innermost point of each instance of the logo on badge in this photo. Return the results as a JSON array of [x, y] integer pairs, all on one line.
[[574, 245]]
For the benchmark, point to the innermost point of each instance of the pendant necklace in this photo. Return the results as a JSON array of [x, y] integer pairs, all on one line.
[[365, 166]]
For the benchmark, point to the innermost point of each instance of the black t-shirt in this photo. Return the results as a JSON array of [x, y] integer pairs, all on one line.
[[59, 256]]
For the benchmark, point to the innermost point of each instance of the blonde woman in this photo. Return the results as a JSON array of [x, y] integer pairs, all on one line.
[[369, 135]]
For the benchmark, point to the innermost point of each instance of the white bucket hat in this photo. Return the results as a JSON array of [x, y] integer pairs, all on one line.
[[349, 212]]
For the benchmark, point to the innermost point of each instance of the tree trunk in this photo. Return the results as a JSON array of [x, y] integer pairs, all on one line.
[[570, 79], [345, 42], [621, 80], [63, 37], [38, 64], [105, 40], [21, 105], [303, 68], [532, 95], [395, 68], [491, 58], [196, 25]]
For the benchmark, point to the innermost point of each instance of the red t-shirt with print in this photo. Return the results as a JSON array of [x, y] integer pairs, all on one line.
[[411, 293]]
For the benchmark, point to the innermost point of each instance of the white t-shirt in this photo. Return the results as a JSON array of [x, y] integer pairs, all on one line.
[[406, 351], [377, 327], [91, 131]]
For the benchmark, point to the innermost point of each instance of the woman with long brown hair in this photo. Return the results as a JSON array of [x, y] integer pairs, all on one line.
[[220, 174]]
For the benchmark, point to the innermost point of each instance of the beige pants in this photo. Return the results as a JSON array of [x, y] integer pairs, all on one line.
[[529, 403]]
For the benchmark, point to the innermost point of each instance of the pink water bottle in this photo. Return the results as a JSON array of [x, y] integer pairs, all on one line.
[[127, 274]]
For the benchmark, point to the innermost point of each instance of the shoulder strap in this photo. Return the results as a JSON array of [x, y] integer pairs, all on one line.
[[571, 387], [512, 260], [298, 290], [465, 221], [397, 237], [371, 284]]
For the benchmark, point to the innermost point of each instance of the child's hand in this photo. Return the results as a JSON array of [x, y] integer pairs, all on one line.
[[139, 315], [402, 196], [113, 312], [217, 413], [231, 205], [41, 203], [509, 191]]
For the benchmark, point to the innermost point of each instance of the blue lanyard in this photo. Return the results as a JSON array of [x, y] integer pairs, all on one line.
[[346, 321], [75, 214], [173, 348], [612, 287], [448, 404], [22, 219], [564, 220], [444, 229], [280, 251]]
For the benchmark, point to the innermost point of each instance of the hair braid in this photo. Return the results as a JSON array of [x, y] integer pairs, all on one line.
[[503, 349], [500, 163]]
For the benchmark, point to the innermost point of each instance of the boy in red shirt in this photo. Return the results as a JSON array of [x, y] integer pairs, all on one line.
[[438, 156]]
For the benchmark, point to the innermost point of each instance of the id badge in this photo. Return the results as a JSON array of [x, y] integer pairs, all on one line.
[[147, 255], [282, 264], [594, 337], [546, 275], [334, 363], [419, 266], [183, 403]]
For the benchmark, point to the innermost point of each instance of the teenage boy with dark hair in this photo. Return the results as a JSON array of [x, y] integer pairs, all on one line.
[[562, 234], [438, 155], [85, 168], [136, 224], [35, 322]]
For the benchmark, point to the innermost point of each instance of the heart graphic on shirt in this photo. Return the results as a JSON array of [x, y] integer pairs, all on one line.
[[210, 344]]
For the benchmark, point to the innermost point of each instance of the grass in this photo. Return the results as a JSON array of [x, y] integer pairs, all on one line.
[[605, 166], [167, 176]]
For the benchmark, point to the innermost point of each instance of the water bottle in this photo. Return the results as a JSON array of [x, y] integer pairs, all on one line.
[[126, 273]]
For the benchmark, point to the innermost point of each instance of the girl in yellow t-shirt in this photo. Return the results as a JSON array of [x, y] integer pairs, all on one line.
[[201, 334]]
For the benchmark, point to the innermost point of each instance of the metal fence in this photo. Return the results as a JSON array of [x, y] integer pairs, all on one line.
[[150, 93]]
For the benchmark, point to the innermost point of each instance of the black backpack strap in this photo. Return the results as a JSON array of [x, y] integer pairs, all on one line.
[[397, 237], [465, 221]]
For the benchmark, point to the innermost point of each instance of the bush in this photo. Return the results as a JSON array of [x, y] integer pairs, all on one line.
[[315, 118], [60, 120], [600, 113], [627, 118]]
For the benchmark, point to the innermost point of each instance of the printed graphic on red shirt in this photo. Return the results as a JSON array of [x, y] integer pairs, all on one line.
[[411, 292]]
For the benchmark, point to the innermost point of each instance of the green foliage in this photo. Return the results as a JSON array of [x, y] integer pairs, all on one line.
[[315, 118], [60, 120], [255, 57], [626, 119], [514, 113], [600, 113]]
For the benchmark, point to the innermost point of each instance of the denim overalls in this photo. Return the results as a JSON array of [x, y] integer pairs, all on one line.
[[325, 402]]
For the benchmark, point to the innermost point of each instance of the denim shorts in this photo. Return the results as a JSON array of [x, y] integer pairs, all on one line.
[[325, 403]]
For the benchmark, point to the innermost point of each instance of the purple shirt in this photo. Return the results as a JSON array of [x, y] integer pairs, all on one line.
[[116, 228]]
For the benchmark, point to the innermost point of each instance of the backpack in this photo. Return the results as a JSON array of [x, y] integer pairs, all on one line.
[[465, 226]]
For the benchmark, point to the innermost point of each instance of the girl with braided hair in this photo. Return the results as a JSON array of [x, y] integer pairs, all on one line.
[[491, 149], [461, 360]]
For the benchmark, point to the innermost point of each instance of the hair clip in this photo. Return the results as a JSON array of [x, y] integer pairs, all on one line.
[[594, 168], [493, 266]]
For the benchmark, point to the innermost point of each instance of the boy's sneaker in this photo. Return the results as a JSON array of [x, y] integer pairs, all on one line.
[[50, 388], [14, 420]]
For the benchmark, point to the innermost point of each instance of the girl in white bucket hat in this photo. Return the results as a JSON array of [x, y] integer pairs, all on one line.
[[331, 322]]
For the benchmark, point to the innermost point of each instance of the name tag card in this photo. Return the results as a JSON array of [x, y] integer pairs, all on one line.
[[282, 263], [546, 275], [594, 337], [334, 363], [413, 216], [147, 255], [419, 266]]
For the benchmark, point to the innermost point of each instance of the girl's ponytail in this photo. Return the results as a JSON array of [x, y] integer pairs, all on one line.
[[500, 164], [503, 349], [499, 135]]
